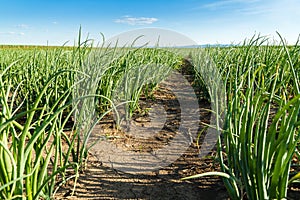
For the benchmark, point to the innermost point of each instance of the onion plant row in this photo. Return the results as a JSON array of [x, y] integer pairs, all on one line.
[[50, 99], [261, 131]]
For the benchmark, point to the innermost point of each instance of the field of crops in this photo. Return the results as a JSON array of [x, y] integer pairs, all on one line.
[[46, 96]]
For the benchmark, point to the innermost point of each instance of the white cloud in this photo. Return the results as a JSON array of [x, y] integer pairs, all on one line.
[[23, 26], [54, 22], [7, 33], [255, 10], [227, 3], [12, 33], [136, 20]]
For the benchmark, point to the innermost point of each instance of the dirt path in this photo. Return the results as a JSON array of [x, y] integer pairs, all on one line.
[[99, 182], [103, 178]]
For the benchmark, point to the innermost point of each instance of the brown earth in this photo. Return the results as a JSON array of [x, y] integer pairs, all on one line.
[[101, 181], [103, 178]]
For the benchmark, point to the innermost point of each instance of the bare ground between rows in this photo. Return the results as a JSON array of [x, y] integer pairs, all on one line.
[[101, 180]]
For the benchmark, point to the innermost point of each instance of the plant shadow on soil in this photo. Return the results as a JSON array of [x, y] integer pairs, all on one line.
[[101, 181]]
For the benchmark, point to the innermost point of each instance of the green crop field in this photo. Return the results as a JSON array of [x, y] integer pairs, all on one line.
[[41, 146]]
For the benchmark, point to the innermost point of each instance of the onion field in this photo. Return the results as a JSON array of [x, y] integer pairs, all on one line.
[[46, 94]]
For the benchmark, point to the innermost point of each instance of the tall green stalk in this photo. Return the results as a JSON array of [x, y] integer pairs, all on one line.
[[261, 129]]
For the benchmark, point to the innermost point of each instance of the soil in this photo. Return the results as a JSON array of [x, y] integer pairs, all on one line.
[[105, 178], [101, 180]]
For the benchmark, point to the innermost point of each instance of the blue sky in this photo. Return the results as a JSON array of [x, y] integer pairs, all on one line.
[[219, 21]]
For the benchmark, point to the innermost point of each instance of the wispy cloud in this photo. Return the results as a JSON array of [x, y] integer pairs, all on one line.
[[54, 22], [243, 7], [257, 10], [227, 3], [12, 33], [273, 9], [22, 26], [136, 20]]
